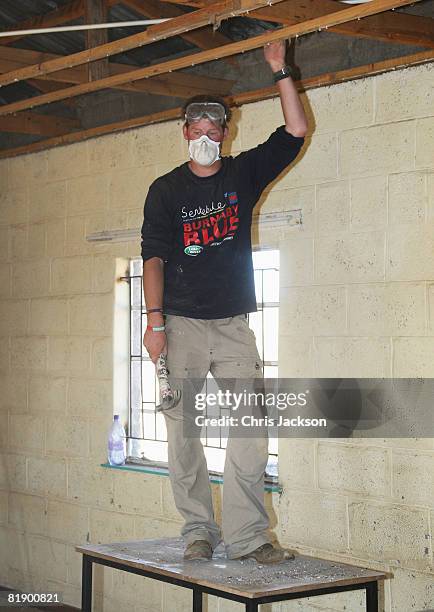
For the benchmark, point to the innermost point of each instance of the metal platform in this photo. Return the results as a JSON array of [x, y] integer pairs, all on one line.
[[243, 581]]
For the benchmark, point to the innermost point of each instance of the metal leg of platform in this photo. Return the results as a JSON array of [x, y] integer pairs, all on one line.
[[372, 597], [86, 585], [197, 599]]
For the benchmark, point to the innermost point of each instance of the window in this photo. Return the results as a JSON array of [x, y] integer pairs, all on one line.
[[147, 441]]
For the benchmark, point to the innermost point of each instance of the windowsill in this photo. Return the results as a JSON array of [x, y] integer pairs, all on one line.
[[161, 470]]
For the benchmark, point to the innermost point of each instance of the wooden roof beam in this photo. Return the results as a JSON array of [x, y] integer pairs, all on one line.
[[322, 80], [205, 38], [389, 27], [179, 25], [96, 11], [312, 25], [174, 85], [42, 125]]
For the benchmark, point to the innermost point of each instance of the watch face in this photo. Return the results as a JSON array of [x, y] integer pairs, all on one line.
[[282, 73], [285, 70]]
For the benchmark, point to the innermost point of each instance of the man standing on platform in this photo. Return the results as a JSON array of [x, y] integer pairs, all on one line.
[[199, 286]]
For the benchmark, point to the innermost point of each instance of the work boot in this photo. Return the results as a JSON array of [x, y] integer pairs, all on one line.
[[199, 549], [267, 553]]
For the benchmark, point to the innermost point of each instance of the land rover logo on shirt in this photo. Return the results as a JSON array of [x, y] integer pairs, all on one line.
[[193, 249]]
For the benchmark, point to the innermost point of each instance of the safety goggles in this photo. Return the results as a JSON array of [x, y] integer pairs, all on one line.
[[214, 111]]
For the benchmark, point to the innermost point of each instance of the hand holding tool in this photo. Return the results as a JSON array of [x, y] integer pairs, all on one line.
[[168, 397]]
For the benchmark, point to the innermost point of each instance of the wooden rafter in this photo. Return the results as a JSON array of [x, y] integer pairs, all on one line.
[[205, 38], [175, 84], [329, 78], [184, 23], [96, 11], [340, 16], [389, 27], [341, 76], [43, 125]]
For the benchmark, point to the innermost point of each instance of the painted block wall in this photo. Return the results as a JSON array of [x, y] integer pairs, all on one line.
[[357, 299]]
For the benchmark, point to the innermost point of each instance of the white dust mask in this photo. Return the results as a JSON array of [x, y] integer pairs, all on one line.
[[204, 151]]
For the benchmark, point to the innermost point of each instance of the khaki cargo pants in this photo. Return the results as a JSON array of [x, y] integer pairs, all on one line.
[[226, 348]]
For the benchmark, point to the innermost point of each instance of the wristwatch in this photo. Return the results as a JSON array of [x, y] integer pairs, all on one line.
[[283, 73]]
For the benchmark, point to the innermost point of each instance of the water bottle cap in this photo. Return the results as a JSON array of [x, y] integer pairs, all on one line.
[[116, 417]]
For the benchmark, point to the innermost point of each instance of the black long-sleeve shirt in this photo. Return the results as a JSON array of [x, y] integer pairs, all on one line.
[[201, 228]]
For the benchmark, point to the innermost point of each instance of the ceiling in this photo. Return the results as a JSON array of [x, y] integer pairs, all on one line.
[[29, 121]]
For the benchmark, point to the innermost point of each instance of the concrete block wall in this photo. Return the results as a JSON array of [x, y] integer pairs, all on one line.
[[357, 281], [357, 299]]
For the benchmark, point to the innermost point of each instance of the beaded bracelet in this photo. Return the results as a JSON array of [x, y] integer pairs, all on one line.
[[156, 328]]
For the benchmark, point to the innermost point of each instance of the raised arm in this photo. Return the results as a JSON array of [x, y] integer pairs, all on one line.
[[293, 112]]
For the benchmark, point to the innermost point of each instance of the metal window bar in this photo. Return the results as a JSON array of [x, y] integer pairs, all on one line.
[[135, 281]]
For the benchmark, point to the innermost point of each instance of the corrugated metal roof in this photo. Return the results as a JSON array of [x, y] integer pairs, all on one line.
[[335, 53], [65, 43], [12, 11]]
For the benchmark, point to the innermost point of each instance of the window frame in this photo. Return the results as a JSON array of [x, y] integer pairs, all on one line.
[[156, 466]]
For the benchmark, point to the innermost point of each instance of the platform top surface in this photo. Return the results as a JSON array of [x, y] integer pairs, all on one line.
[[241, 577]]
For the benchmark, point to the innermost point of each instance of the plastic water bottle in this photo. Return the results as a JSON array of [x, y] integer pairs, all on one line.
[[117, 443]]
